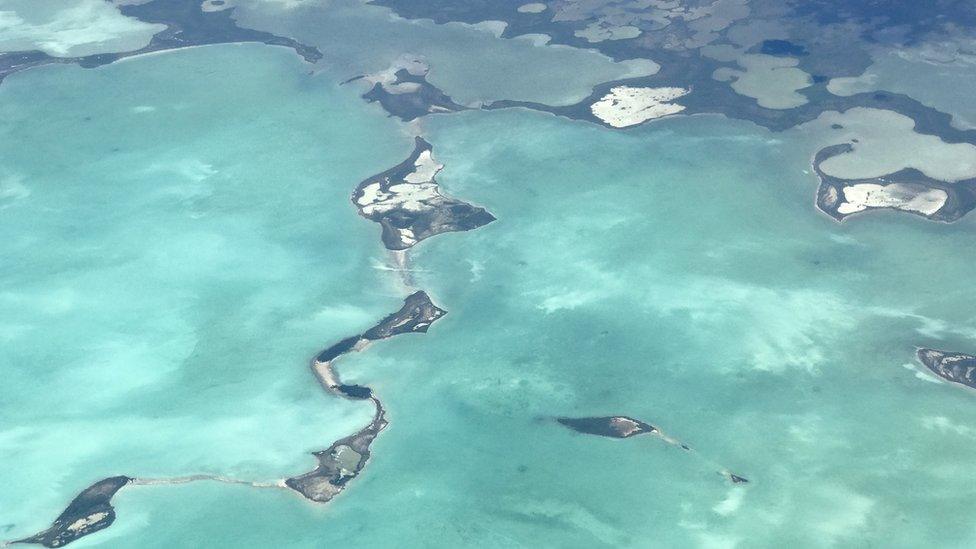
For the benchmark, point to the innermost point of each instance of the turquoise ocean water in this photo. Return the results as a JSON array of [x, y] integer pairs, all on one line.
[[179, 240]]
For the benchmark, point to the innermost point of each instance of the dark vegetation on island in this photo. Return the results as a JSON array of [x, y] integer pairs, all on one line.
[[961, 195], [627, 427], [414, 210], [404, 92], [89, 512], [416, 315], [608, 426], [829, 39], [954, 367], [341, 462], [408, 95], [346, 457]]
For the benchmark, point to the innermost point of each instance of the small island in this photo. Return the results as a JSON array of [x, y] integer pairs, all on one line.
[[954, 367], [407, 203], [89, 512], [907, 190], [627, 427], [346, 457], [608, 426], [416, 315], [627, 106], [339, 463], [404, 92]]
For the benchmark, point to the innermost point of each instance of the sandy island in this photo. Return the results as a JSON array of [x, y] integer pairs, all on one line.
[[626, 106], [407, 203]]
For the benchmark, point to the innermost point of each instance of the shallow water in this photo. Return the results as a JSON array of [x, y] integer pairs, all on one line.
[[470, 63], [180, 243], [166, 296], [63, 29], [911, 74]]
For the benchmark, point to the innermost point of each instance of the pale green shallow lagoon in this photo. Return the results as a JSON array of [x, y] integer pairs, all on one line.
[[179, 245], [678, 273]]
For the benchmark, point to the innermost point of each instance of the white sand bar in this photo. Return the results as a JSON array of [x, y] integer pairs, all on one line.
[[427, 168], [913, 198], [626, 106], [886, 141], [414, 193]]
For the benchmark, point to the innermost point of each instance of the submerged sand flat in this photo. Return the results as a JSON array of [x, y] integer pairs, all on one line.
[[885, 142], [70, 29], [532, 7], [946, 84], [600, 31], [772, 81], [470, 63]]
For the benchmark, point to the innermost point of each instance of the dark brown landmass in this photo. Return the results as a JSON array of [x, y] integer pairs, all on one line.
[[626, 427], [346, 457], [339, 463], [904, 184], [186, 25], [404, 92], [955, 367], [406, 201], [89, 512], [416, 315], [608, 426], [736, 479]]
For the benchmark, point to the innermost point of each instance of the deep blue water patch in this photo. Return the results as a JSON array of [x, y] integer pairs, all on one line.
[[782, 47]]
